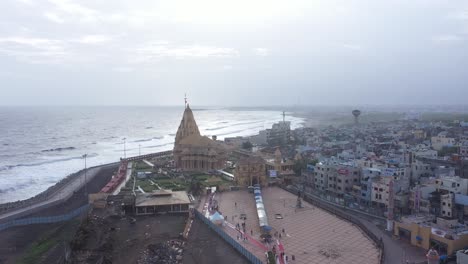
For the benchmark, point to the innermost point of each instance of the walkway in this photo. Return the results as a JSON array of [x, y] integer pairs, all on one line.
[[60, 195], [128, 176]]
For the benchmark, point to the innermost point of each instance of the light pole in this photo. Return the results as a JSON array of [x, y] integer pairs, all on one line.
[[139, 149], [85, 176], [125, 150]]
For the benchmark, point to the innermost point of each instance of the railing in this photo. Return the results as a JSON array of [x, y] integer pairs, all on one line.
[[45, 219], [331, 209], [152, 155], [247, 254]]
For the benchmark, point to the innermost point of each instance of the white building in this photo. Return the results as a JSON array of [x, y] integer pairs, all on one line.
[[440, 141], [447, 205], [453, 185]]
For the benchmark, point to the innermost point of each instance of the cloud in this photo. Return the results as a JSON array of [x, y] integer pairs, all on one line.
[[53, 17], [123, 69], [34, 50], [447, 38], [462, 15], [153, 50], [351, 46], [94, 39], [262, 51], [73, 9]]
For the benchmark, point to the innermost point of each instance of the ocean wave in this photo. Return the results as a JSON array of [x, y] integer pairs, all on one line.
[[9, 167], [58, 149], [143, 140], [161, 145], [216, 128], [238, 131]]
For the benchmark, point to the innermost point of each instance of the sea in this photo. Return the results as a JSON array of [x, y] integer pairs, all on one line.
[[41, 145]]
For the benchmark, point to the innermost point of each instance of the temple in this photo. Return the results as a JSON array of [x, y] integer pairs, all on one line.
[[194, 152]]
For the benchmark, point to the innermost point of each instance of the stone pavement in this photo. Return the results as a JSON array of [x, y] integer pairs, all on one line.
[[308, 231]]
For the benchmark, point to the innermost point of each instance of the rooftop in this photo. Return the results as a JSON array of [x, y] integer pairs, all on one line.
[[162, 197]]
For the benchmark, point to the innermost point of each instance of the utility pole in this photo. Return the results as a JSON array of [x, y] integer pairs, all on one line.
[[125, 150], [85, 175]]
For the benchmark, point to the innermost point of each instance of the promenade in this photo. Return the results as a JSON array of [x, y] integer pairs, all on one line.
[[56, 197]]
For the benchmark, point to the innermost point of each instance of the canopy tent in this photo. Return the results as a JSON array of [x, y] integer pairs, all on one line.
[[217, 218]]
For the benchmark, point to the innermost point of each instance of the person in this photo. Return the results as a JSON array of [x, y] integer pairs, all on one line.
[[251, 232], [237, 237], [235, 204], [279, 235], [283, 230], [293, 257], [286, 257]]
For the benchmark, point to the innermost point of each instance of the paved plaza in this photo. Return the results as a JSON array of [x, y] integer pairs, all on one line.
[[311, 234]]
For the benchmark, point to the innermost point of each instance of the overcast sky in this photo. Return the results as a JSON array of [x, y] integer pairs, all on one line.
[[237, 52]]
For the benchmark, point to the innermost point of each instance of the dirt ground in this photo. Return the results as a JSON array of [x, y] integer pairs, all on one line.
[[204, 246], [116, 240], [14, 242]]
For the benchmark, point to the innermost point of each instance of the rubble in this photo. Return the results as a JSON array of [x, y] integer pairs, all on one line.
[[169, 252]]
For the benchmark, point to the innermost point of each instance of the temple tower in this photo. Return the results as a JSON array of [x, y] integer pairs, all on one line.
[[187, 126]]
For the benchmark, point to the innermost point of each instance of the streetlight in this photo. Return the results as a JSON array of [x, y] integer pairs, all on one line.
[[125, 150], [85, 176]]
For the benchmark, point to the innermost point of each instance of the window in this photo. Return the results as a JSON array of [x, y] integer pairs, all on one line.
[[443, 203], [346, 181], [443, 212], [380, 190], [376, 196], [458, 185], [448, 213]]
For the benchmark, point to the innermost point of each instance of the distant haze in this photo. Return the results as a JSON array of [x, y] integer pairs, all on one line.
[[234, 53]]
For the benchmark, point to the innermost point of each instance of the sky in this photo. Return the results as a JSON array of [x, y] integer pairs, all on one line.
[[233, 53]]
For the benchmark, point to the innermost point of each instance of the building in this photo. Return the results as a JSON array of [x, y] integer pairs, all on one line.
[[194, 152], [162, 201], [441, 141], [342, 179], [279, 134], [446, 236], [250, 171], [452, 185], [365, 187]]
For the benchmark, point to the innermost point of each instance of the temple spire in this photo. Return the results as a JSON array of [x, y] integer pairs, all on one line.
[[185, 98]]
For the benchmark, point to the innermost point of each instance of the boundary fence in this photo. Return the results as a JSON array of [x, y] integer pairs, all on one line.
[[354, 220], [247, 254], [45, 219]]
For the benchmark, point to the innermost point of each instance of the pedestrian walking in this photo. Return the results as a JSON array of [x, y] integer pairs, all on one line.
[[251, 232], [283, 230]]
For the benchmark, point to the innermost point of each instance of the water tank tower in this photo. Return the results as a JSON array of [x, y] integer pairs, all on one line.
[[356, 114]]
